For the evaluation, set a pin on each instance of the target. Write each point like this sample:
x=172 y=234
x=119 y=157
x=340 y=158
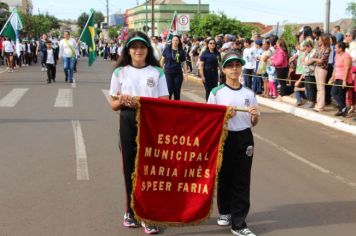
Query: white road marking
x=106 y=94
x=308 y=163
x=81 y=154
x=193 y=97
x=3 y=71
x=12 y=98
x=64 y=98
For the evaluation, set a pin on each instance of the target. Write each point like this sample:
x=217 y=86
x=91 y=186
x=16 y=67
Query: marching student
x=50 y=57
x=234 y=177
x=137 y=73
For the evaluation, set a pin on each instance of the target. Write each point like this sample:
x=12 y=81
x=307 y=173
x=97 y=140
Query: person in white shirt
x=249 y=55
x=50 y=58
x=137 y=73
x=233 y=193
x=8 y=51
x=67 y=52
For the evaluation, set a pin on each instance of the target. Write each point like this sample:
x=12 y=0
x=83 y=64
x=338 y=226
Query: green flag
x=12 y=26
x=88 y=37
x=173 y=29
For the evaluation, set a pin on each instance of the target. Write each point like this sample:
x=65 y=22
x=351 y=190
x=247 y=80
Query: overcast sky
x=267 y=12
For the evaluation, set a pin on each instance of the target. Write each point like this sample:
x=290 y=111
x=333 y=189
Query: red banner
x=179 y=154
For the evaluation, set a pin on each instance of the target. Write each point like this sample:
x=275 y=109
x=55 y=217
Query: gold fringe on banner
x=228 y=114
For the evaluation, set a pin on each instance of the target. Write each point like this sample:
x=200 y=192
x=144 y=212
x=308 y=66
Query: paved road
x=60 y=170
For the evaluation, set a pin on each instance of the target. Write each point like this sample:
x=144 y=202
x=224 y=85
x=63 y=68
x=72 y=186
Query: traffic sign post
x=183 y=22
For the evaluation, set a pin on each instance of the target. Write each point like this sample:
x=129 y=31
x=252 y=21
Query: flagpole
x=92 y=12
x=6 y=22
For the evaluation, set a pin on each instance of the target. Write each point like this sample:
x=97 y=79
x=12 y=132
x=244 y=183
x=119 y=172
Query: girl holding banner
x=137 y=73
x=234 y=177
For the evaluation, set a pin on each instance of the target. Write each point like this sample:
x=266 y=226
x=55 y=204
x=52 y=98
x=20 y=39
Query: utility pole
x=107 y=11
x=152 y=18
x=327 y=16
x=146 y=24
x=199 y=3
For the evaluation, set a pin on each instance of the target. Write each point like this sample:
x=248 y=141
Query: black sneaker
x=130 y=221
x=339 y=113
x=242 y=232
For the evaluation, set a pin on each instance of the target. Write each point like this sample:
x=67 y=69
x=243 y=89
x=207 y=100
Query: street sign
x=183 y=22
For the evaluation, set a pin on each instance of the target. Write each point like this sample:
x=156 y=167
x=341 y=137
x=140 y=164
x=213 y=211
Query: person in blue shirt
x=209 y=66
x=173 y=58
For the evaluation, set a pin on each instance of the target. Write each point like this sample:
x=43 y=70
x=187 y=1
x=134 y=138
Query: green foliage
x=219 y=24
x=289 y=36
x=113 y=32
x=83 y=18
x=351 y=9
x=35 y=25
x=4 y=13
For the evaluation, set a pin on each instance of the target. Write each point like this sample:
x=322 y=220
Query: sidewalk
x=326 y=117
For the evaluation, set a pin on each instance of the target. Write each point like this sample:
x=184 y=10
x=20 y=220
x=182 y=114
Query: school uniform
x=50 y=58
x=147 y=82
x=233 y=195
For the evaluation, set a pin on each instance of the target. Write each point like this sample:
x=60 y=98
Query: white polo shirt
x=242 y=98
x=146 y=82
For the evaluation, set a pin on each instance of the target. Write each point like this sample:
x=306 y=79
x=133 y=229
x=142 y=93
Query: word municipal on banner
x=179 y=154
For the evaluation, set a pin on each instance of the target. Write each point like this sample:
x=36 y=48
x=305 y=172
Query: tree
x=83 y=18
x=289 y=37
x=113 y=32
x=219 y=24
x=4 y=13
x=35 y=25
x=351 y=9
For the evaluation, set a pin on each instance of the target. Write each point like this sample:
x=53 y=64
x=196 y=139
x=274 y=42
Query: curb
x=308 y=115
x=302 y=113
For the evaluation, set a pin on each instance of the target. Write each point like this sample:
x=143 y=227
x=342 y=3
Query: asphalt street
x=61 y=173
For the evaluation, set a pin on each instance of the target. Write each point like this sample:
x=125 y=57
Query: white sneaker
x=242 y=232
x=42 y=69
x=224 y=220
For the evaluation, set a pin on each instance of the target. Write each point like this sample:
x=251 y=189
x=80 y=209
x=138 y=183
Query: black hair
x=125 y=58
x=216 y=51
x=180 y=45
x=341 y=45
x=307 y=31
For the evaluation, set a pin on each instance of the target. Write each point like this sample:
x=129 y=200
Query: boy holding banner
x=234 y=177
x=137 y=73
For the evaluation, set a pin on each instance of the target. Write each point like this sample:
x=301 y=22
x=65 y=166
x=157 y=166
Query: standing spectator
x=262 y=67
x=136 y=64
x=338 y=34
x=331 y=62
x=250 y=59
x=280 y=62
x=350 y=38
x=173 y=58
x=233 y=195
x=321 y=59
x=340 y=77
x=50 y=57
x=67 y=51
x=237 y=47
x=309 y=73
x=209 y=66
x=257 y=80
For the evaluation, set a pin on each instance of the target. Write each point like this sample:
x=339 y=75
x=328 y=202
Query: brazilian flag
x=88 y=37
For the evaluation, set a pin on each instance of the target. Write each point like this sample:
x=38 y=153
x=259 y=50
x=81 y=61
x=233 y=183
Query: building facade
x=138 y=17
x=24 y=6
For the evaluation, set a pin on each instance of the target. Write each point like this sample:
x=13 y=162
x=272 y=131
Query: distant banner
x=179 y=154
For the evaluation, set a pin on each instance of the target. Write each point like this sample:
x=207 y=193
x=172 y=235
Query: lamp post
x=152 y=18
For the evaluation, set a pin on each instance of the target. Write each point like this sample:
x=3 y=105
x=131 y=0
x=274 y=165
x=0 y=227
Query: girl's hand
x=253 y=111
